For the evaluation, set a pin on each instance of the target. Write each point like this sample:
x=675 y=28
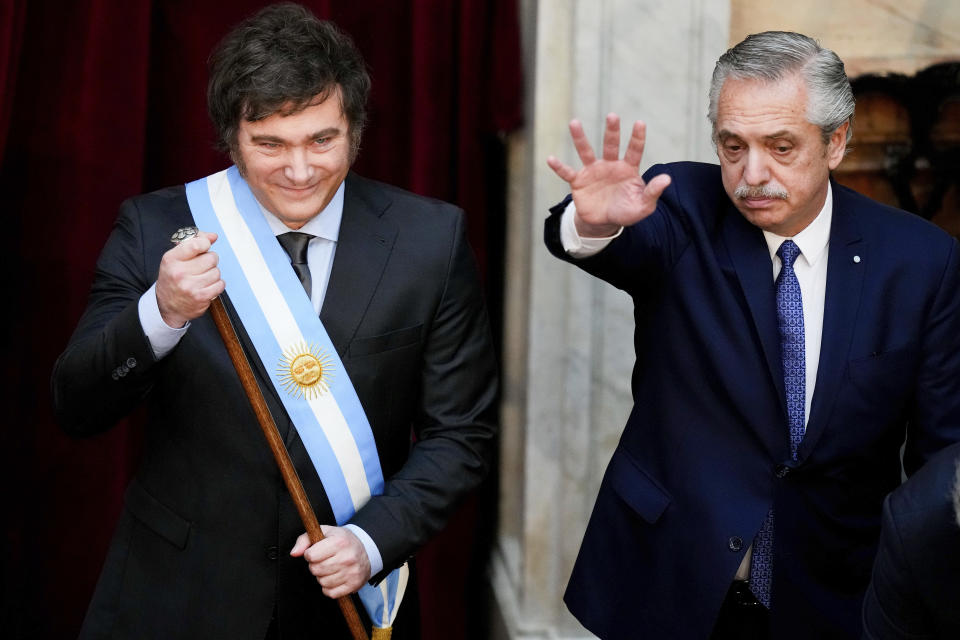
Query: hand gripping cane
x=230 y=340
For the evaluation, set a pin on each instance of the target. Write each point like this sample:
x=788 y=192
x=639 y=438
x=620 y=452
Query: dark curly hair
x=278 y=61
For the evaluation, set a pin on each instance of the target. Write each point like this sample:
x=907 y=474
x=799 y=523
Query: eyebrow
x=723 y=134
x=783 y=133
x=329 y=132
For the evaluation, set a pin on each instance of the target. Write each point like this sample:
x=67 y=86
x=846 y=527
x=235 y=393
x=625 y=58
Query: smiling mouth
x=298 y=190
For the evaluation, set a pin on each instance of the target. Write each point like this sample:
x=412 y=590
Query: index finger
x=320 y=551
x=580 y=142
x=192 y=247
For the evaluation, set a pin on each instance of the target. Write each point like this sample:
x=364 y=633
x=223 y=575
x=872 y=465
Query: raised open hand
x=609 y=192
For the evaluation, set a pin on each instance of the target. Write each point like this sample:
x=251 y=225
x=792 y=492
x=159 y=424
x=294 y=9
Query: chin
x=296 y=215
x=763 y=219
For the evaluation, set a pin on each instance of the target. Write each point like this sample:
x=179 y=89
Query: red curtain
x=104 y=99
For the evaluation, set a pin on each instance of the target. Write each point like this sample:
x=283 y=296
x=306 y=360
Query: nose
x=298 y=169
x=756 y=171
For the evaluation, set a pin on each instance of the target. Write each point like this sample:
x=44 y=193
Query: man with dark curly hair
x=360 y=309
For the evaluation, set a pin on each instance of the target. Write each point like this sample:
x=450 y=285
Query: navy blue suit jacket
x=915 y=591
x=705 y=452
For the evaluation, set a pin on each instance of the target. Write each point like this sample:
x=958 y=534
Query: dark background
x=104 y=99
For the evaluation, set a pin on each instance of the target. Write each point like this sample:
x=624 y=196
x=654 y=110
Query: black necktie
x=295 y=244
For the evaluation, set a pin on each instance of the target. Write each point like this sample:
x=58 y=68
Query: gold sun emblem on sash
x=305 y=371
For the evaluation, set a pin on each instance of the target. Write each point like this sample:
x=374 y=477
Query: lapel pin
x=856 y=259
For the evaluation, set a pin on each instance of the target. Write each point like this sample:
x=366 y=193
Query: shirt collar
x=813 y=240
x=325 y=224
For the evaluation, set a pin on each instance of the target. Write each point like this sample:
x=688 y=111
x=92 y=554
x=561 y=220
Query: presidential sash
x=299 y=358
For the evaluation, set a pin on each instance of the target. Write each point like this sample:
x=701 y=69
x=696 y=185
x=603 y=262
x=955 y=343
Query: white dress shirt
x=810 y=268
x=325 y=227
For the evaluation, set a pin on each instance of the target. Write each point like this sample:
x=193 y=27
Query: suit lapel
x=750 y=258
x=363 y=246
x=847 y=261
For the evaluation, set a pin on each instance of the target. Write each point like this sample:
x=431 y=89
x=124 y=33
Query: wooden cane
x=294 y=486
x=269 y=427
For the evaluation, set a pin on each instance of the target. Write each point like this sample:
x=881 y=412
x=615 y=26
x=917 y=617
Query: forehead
x=757 y=107
x=323 y=113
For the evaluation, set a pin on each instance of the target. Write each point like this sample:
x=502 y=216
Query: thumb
x=302 y=544
x=657 y=186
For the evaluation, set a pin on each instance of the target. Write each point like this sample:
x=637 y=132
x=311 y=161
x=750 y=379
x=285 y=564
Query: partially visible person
x=915 y=590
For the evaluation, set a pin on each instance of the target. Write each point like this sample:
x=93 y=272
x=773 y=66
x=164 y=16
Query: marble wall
x=568 y=341
x=871 y=36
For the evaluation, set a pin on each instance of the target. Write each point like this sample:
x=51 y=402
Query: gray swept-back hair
x=773 y=55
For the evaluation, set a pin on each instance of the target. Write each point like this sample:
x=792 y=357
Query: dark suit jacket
x=201 y=549
x=915 y=591
x=705 y=452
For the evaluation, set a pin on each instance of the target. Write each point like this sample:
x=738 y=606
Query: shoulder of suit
x=166 y=196
x=912 y=235
x=846 y=199
x=699 y=173
x=394 y=200
x=930 y=487
x=695 y=194
x=164 y=207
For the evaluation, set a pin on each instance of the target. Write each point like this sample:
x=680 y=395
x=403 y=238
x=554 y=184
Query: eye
x=322 y=141
x=782 y=147
x=732 y=148
x=270 y=146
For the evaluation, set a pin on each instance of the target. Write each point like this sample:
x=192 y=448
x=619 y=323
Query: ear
x=837 y=145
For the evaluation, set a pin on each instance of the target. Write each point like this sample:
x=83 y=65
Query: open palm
x=608 y=192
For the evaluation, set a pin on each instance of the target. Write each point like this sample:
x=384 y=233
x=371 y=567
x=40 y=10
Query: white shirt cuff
x=573 y=244
x=162 y=337
x=373 y=554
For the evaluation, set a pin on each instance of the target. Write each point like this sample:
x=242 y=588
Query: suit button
x=131 y=362
x=782 y=471
x=273 y=553
x=115 y=374
x=735 y=543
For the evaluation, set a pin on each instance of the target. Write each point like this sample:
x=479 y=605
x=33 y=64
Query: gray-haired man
x=790 y=333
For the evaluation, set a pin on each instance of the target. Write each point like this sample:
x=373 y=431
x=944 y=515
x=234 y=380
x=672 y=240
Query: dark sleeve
x=456 y=422
x=892 y=608
x=936 y=416
x=639 y=256
x=107 y=367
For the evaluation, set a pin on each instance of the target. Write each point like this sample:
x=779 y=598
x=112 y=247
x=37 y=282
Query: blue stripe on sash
x=311 y=327
x=381 y=606
x=271 y=352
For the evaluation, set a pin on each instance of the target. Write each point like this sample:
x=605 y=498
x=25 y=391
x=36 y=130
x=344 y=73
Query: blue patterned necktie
x=792 y=356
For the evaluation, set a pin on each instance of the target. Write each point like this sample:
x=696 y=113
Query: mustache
x=763 y=191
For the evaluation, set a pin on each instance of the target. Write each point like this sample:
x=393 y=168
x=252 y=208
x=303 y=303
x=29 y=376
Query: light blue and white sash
x=299 y=357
